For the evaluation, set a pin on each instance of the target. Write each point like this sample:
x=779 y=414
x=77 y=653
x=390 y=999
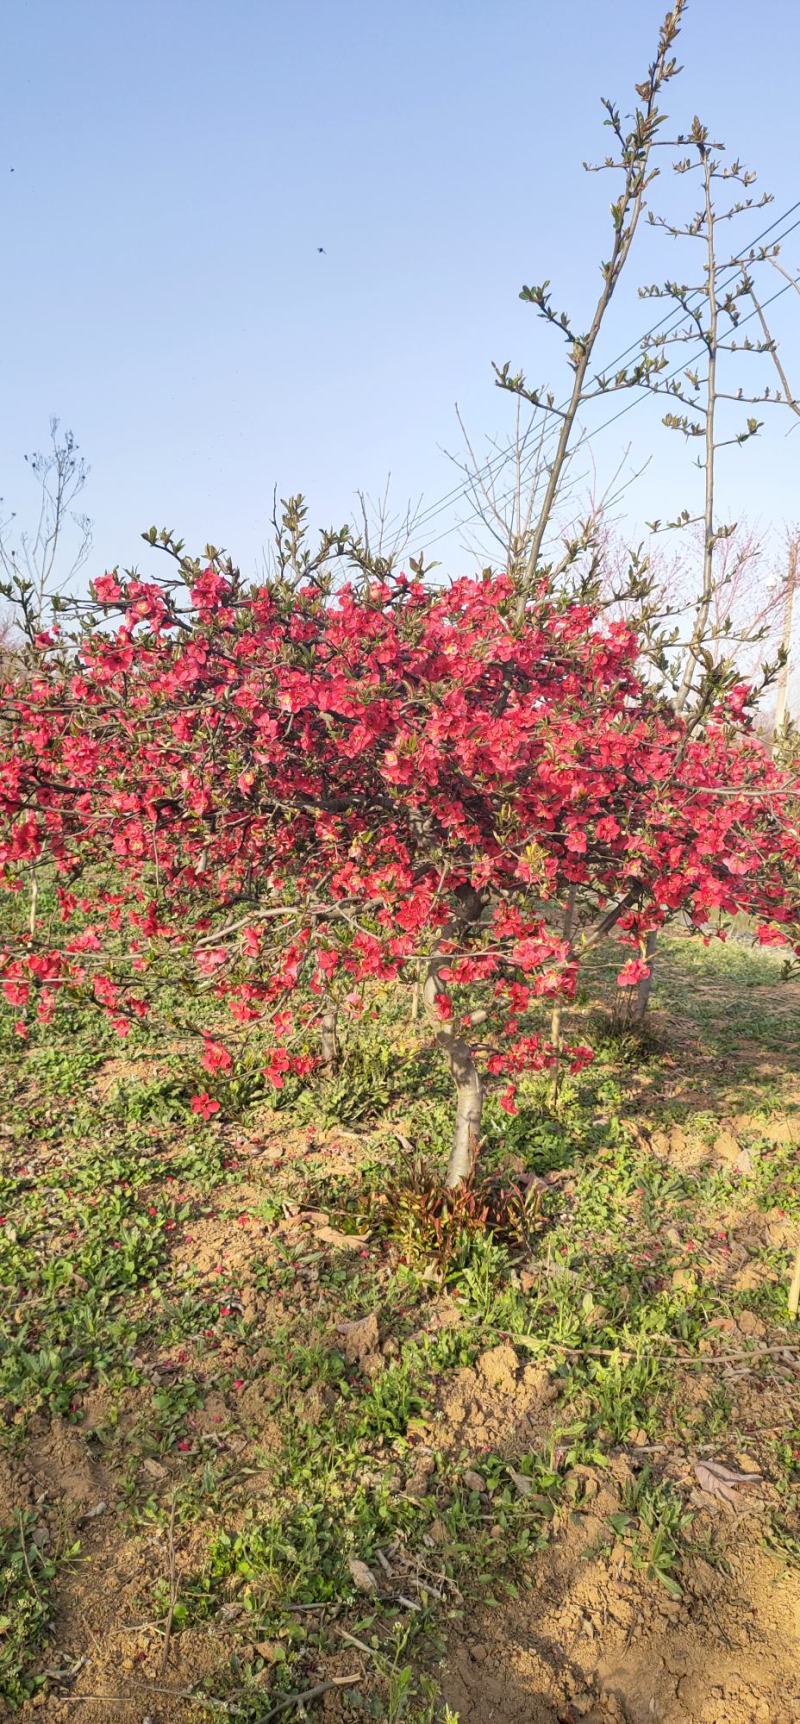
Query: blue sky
x=178 y=162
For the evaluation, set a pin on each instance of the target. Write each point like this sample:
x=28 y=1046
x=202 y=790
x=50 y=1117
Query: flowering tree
x=274 y=796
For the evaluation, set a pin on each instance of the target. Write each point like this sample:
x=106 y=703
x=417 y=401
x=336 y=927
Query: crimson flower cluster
x=280 y=800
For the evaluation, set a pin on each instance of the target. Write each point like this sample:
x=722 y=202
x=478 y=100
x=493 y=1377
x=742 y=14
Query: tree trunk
x=328 y=1037
x=460 y=1063
x=642 y=996
x=794 y=1290
x=567 y=930
x=469 y=1110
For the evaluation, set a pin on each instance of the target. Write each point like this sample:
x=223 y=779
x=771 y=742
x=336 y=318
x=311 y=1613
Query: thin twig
x=173 y=1587
x=300 y=1698
x=667 y=1354
x=25 y=1554
x=151 y=1688
x=353 y=1640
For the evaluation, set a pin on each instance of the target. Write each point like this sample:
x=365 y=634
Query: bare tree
x=708 y=394
x=502 y=514
x=748 y=601
x=710 y=402
x=41 y=562
x=633 y=159
x=383 y=536
x=504 y=491
x=6 y=641
x=787 y=620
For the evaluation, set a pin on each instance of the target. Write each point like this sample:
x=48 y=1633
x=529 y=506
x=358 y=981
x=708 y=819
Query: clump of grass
x=426 y=1220
x=654 y=1523
x=27 y=1575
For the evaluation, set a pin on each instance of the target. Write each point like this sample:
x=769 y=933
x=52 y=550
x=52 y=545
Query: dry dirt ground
x=589 y=1637
x=595 y=1646
x=589 y=1641
x=593 y=1632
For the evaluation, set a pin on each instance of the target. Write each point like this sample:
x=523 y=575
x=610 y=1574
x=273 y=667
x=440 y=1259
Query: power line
x=501 y=460
x=674 y=319
x=628 y=408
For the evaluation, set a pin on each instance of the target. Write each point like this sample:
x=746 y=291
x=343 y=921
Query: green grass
x=27 y=1576
x=109 y=1191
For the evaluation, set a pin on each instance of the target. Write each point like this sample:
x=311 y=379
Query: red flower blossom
x=216 y=1058
x=282 y=797
x=632 y=972
x=204 y=1105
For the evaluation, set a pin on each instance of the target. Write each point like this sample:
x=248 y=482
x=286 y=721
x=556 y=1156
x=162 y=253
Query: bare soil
x=592 y=1635
x=590 y=1641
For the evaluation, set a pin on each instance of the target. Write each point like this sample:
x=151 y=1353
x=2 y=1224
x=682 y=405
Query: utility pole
x=786 y=639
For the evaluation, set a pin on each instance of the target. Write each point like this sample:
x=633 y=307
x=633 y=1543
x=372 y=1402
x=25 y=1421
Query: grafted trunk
x=328 y=1036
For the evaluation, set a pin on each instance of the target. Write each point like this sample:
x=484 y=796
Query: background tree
x=701 y=631
x=40 y=562
x=709 y=400
x=634 y=162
